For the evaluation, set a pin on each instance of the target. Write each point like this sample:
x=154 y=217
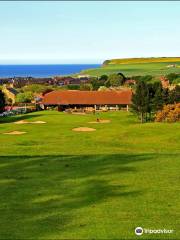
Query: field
x=135 y=69
x=60 y=184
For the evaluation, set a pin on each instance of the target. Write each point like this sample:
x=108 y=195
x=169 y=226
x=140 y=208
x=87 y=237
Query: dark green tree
x=73 y=87
x=86 y=87
x=158 y=100
x=165 y=96
x=103 y=78
x=114 y=80
x=140 y=101
x=174 y=95
x=176 y=81
x=136 y=78
x=123 y=78
x=95 y=83
x=151 y=93
x=171 y=77
x=47 y=90
x=2 y=101
x=146 y=78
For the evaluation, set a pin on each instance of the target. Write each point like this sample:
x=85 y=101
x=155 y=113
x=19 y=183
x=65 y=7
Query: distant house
x=86 y=76
x=86 y=99
x=69 y=80
x=10 y=92
x=171 y=66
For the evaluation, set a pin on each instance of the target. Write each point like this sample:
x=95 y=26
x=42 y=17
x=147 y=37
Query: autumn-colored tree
x=169 y=113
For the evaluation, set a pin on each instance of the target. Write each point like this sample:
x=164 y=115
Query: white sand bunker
x=84 y=129
x=15 y=133
x=78 y=113
x=101 y=121
x=26 y=122
x=21 y=122
x=38 y=122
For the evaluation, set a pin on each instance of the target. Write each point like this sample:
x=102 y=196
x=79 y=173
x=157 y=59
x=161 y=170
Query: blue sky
x=87 y=32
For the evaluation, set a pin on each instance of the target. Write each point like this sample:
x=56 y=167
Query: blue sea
x=43 y=70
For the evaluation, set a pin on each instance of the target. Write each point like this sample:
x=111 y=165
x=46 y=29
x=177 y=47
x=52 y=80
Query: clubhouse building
x=86 y=100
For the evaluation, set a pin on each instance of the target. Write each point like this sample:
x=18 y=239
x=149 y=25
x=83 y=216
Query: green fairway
x=59 y=184
x=135 y=69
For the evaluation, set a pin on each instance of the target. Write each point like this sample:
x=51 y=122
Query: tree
x=73 y=87
x=34 y=88
x=140 y=100
x=25 y=97
x=151 y=93
x=136 y=78
x=2 y=101
x=114 y=80
x=158 y=100
x=86 y=87
x=47 y=90
x=174 y=95
x=176 y=80
x=165 y=96
x=103 y=79
x=95 y=83
x=123 y=78
x=171 y=77
x=169 y=113
x=146 y=78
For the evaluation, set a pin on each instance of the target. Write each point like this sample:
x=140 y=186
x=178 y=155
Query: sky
x=87 y=32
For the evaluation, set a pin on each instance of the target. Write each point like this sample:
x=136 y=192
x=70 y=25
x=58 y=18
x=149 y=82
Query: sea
x=45 y=70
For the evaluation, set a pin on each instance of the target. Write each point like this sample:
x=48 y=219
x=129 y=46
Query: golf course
x=56 y=183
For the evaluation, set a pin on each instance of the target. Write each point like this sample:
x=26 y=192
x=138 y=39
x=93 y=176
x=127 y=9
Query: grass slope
x=60 y=184
x=131 y=68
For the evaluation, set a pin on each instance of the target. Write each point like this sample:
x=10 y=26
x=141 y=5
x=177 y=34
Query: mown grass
x=135 y=69
x=60 y=184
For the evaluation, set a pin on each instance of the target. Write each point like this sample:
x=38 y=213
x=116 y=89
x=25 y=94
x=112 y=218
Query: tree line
x=149 y=98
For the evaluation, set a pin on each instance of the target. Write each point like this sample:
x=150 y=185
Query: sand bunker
x=26 y=122
x=14 y=133
x=84 y=129
x=101 y=121
x=38 y=122
x=78 y=113
x=21 y=122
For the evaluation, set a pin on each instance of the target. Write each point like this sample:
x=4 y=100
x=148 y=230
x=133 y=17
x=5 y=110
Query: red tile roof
x=72 y=97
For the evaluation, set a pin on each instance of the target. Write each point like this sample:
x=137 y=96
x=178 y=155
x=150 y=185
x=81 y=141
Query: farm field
x=59 y=184
x=135 y=69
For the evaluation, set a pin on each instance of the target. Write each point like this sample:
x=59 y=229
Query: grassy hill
x=142 y=60
x=60 y=184
x=137 y=66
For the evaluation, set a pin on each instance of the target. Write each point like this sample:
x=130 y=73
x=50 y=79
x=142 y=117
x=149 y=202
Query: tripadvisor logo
x=139 y=231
